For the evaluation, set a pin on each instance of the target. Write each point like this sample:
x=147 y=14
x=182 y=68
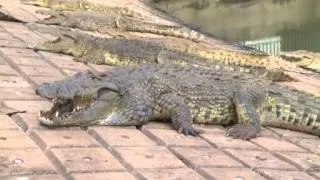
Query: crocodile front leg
x=246 y=103
x=179 y=113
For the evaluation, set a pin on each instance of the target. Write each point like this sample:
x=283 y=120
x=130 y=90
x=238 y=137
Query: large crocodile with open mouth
x=182 y=94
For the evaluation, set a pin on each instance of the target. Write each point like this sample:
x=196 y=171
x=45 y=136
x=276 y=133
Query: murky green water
x=268 y=25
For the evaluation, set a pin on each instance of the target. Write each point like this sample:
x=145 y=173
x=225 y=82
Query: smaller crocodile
x=103 y=22
x=186 y=95
x=126 y=52
x=305 y=59
x=82 y=5
x=130 y=52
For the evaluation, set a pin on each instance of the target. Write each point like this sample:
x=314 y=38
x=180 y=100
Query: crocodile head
x=85 y=98
x=65 y=43
x=84 y=110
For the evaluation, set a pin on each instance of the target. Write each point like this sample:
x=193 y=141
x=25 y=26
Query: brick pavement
x=30 y=151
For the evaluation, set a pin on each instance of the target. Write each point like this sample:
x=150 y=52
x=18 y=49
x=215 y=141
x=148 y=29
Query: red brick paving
x=260 y=159
x=26 y=161
x=273 y=144
x=169 y=137
x=86 y=160
x=10 y=139
x=220 y=140
x=103 y=176
x=34 y=177
x=311 y=144
x=197 y=157
x=232 y=173
x=305 y=161
x=275 y=174
x=7 y=123
x=165 y=174
x=30 y=151
x=63 y=138
x=117 y=136
x=149 y=157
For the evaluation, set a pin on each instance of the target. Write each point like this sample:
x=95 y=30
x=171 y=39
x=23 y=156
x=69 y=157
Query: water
x=269 y=25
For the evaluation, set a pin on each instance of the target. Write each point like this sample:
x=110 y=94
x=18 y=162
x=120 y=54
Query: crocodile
x=126 y=52
x=88 y=15
x=103 y=22
x=185 y=95
x=82 y=5
x=95 y=20
x=133 y=52
x=305 y=59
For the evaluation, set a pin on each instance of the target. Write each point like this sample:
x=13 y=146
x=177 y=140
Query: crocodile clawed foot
x=189 y=130
x=241 y=131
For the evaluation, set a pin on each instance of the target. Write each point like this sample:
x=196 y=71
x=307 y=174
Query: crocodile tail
x=289 y=108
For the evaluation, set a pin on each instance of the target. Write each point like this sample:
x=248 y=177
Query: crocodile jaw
x=83 y=112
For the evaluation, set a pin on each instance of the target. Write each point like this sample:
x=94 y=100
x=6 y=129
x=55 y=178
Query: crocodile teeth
x=56 y=114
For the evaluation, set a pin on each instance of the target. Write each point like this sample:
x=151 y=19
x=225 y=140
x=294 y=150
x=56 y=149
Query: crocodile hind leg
x=246 y=103
x=179 y=113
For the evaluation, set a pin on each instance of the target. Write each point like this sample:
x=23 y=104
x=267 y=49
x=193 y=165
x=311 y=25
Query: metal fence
x=268 y=45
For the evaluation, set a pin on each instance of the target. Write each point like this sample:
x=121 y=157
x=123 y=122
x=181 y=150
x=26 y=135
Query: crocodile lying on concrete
x=115 y=51
x=100 y=18
x=103 y=22
x=97 y=17
x=184 y=94
x=130 y=52
x=82 y=5
x=305 y=59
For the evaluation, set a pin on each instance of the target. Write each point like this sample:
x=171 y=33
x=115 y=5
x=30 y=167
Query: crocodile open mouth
x=82 y=110
x=61 y=109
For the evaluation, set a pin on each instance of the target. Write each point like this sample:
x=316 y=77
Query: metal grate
x=268 y=45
